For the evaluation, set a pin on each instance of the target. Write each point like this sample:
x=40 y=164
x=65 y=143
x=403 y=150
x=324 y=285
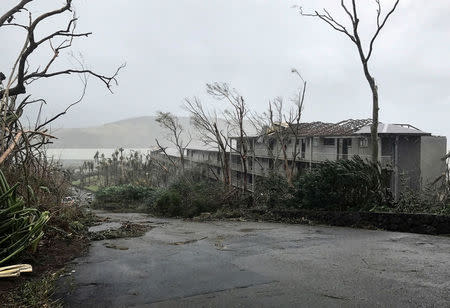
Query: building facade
x=414 y=156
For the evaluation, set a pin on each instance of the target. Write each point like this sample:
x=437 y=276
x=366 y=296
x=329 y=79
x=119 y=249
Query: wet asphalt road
x=250 y=264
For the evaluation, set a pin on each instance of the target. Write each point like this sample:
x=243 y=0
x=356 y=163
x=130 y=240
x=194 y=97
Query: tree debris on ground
x=127 y=229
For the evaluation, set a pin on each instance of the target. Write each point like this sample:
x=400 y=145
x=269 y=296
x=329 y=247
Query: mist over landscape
x=138 y=132
x=238 y=153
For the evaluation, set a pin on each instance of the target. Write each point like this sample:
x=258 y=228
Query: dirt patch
x=128 y=229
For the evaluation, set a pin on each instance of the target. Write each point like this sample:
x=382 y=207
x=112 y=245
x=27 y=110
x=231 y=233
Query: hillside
x=129 y=133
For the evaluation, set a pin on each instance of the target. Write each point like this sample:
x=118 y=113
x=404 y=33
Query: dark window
x=271 y=144
x=329 y=141
x=349 y=141
x=363 y=142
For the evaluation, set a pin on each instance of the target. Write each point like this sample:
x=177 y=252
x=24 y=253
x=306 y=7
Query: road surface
x=252 y=264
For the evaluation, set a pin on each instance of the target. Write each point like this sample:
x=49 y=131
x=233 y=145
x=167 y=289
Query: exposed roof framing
x=343 y=128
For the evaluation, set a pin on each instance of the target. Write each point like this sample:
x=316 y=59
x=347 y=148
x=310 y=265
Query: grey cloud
x=172 y=48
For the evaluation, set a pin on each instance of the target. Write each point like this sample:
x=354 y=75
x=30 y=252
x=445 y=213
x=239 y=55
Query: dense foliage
x=124 y=197
x=344 y=185
x=189 y=196
x=21 y=226
x=273 y=191
x=352 y=184
x=123 y=193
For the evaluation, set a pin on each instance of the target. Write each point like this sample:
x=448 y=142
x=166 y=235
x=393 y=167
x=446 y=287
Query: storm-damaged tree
x=206 y=124
x=235 y=115
x=364 y=53
x=171 y=123
x=282 y=128
x=17 y=143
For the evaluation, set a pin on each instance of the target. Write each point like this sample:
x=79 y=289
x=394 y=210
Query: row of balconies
x=255 y=167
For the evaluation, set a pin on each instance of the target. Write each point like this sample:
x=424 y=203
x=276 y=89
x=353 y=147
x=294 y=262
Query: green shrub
x=273 y=191
x=168 y=204
x=431 y=200
x=128 y=192
x=352 y=184
x=189 y=196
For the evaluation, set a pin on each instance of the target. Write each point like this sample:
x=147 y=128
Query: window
x=363 y=142
x=271 y=144
x=349 y=142
x=329 y=141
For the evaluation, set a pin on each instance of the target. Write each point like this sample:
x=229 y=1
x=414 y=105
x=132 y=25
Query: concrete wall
x=432 y=149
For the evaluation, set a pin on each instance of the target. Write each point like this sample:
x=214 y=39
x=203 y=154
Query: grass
x=35 y=293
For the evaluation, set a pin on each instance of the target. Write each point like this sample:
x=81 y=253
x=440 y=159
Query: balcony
x=386 y=161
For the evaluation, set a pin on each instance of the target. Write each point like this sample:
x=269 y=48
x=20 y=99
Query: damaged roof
x=343 y=128
x=351 y=127
x=397 y=129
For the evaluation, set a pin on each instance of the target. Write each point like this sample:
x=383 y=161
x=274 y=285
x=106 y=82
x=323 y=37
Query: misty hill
x=129 y=133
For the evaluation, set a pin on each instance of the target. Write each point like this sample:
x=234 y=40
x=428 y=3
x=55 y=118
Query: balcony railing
x=317 y=157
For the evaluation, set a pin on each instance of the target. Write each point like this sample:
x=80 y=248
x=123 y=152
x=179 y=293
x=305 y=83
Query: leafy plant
x=188 y=196
x=272 y=191
x=353 y=184
x=21 y=226
x=128 y=192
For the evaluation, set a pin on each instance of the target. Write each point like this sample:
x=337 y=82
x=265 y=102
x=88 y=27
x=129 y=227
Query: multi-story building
x=414 y=156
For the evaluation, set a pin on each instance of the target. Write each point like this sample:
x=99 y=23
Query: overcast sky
x=172 y=48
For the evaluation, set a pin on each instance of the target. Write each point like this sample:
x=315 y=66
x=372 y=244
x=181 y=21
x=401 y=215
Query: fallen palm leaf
x=15 y=270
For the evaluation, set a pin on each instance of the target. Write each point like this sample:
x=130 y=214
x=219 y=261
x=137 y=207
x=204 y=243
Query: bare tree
x=279 y=128
x=364 y=54
x=172 y=124
x=210 y=134
x=293 y=122
x=235 y=116
x=14 y=139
